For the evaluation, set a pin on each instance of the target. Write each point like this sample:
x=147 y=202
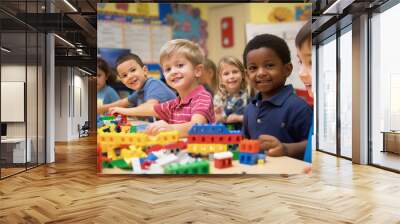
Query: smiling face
x=266 y=71
x=304 y=54
x=231 y=78
x=132 y=74
x=180 y=73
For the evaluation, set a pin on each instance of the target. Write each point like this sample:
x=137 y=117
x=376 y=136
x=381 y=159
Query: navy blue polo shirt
x=284 y=116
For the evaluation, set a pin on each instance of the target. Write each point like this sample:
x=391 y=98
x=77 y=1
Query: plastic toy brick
x=133 y=129
x=107 y=118
x=207 y=148
x=235 y=154
x=250 y=146
x=167 y=137
x=260 y=162
x=152 y=157
x=196 y=167
x=261 y=156
x=223 y=160
x=171 y=158
x=248 y=158
x=216 y=139
x=137 y=168
x=204 y=129
x=120 y=164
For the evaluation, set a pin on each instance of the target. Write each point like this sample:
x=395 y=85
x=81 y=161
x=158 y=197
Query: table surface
x=273 y=165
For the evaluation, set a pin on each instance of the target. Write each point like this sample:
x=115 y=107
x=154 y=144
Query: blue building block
x=141 y=127
x=234 y=132
x=261 y=156
x=142 y=160
x=152 y=157
x=248 y=158
x=208 y=129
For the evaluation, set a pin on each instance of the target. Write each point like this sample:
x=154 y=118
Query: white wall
x=71 y=102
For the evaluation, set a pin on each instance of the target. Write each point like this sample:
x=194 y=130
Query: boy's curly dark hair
x=268 y=41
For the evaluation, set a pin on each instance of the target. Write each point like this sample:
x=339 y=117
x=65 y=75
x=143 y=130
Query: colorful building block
x=215 y=139
x=196 y=167
x=248 y=158
x=207 y=148
x=223 y=160
x=250 y=146
x=204 y=129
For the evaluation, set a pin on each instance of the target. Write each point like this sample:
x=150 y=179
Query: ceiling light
x=5 y=49
x=70 y=5
x=337 y=7
x=86 y=72
x=65 y=41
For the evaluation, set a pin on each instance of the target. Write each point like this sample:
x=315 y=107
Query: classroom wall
x=240 y=13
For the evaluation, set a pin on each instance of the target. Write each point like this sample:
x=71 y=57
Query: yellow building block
x=260 y=162
x=207 y=148
x=166 y=137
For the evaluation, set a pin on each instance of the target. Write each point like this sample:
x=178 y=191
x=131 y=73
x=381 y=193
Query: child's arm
x=219 y=117
x=120 y=103
x=276 y=148
x=234 y=118
x=183 y=128
x=143 y=110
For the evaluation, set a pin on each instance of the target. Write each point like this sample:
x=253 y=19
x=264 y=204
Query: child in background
x=276 y=116
x=105 y=93
x=182 y=64
x=233 y=94
x=209 y=76
x=148 y=91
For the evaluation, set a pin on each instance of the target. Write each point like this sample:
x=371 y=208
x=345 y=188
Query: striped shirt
x=177 y=111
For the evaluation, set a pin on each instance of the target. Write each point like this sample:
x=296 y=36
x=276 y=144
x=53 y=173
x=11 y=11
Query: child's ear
x=145 y=70
x=198 y=70
x=288 y=69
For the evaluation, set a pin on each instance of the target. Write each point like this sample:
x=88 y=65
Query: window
x=326 y=97
x=385 y=89
x=346 y=93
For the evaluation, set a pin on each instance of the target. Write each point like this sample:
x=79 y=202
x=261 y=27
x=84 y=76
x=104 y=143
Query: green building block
x=120 y=163
x=133 y=129
x=196 y=167
x=230 y=127
x=235 y=154
x=106 y=164
x=107 y=118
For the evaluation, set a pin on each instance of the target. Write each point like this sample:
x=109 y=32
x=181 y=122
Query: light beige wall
x=240 y=14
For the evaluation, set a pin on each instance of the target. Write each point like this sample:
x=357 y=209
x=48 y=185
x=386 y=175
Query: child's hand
x=234 y=118
x=118 y=110
x=157 y=127
x=272 y=145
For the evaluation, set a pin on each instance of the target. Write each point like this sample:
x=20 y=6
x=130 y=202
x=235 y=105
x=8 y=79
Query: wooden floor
x=69 y=191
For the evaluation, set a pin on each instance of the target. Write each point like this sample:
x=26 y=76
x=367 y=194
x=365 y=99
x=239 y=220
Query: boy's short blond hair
x=187 y=48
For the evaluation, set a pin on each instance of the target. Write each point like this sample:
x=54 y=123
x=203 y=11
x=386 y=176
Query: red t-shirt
x=177 y=111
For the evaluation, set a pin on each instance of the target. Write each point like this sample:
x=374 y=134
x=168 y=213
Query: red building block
x=250 y=146
x=223 y=163
x=215 y=139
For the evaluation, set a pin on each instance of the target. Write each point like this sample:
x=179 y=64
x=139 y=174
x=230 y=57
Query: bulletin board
x=145 y=40
x=12 y=101
x=288 y=32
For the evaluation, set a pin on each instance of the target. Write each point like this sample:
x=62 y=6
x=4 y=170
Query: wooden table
x=273 y=165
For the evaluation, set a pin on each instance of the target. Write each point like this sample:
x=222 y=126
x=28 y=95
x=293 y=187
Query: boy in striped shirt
x=182 y=64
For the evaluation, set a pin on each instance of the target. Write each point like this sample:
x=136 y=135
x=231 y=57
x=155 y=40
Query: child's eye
x=269 y=65
x=132 y=70
x=251 y=68
x=166 y=70
x=180 y=65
